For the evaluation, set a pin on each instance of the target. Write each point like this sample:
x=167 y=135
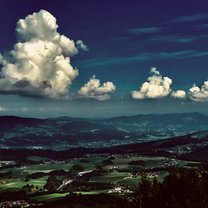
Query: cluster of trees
x=73 y=200
x=31 y=188
x=54 y=182
x=182 y=188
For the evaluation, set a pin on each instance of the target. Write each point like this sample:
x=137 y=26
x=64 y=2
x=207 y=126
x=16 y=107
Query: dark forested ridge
x=64 y=132
x=189 y=147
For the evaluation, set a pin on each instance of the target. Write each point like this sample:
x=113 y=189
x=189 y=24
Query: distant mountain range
x=191 y=147
x=65 y=132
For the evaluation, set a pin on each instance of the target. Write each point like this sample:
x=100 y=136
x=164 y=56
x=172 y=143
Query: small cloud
x=94 y=90
x=81 y=45
x=154 y=70
x=2 y=109
x=175 y=38
x=190 y=18
x=156 y=86
x=145 y=30
x=180 y=54
x=178 y=94
x=199 y=93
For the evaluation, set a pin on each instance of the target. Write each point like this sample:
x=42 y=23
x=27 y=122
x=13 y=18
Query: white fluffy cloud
x=178 y=94
x=81 y=45
x=199 y=93
x=156 y=86
x=39 y=64
x=154 y=71
x=93 y=89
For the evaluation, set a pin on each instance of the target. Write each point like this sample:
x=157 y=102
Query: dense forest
x=182 y=188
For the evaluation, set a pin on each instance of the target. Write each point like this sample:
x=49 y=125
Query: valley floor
x=42 y=180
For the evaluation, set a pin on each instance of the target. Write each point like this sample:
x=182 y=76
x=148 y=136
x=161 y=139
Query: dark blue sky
x=125 y=39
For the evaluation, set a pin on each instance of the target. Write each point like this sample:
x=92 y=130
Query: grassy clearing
x=45 y=168
x=15 y=184
x=149 y=162
x=49 y=197
x=38 y=159
x=133 y=182
x=110 y=177
x=91 y=192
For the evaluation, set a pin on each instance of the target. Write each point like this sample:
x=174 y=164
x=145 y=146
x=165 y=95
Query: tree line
x=181 y=188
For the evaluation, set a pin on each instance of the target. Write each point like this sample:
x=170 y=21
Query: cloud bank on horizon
x=157 y=86
x=199 y=93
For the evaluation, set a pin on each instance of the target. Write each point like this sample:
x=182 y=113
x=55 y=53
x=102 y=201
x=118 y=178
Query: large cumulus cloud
x=39 y=63
x=156 y=86
x=93 y=89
